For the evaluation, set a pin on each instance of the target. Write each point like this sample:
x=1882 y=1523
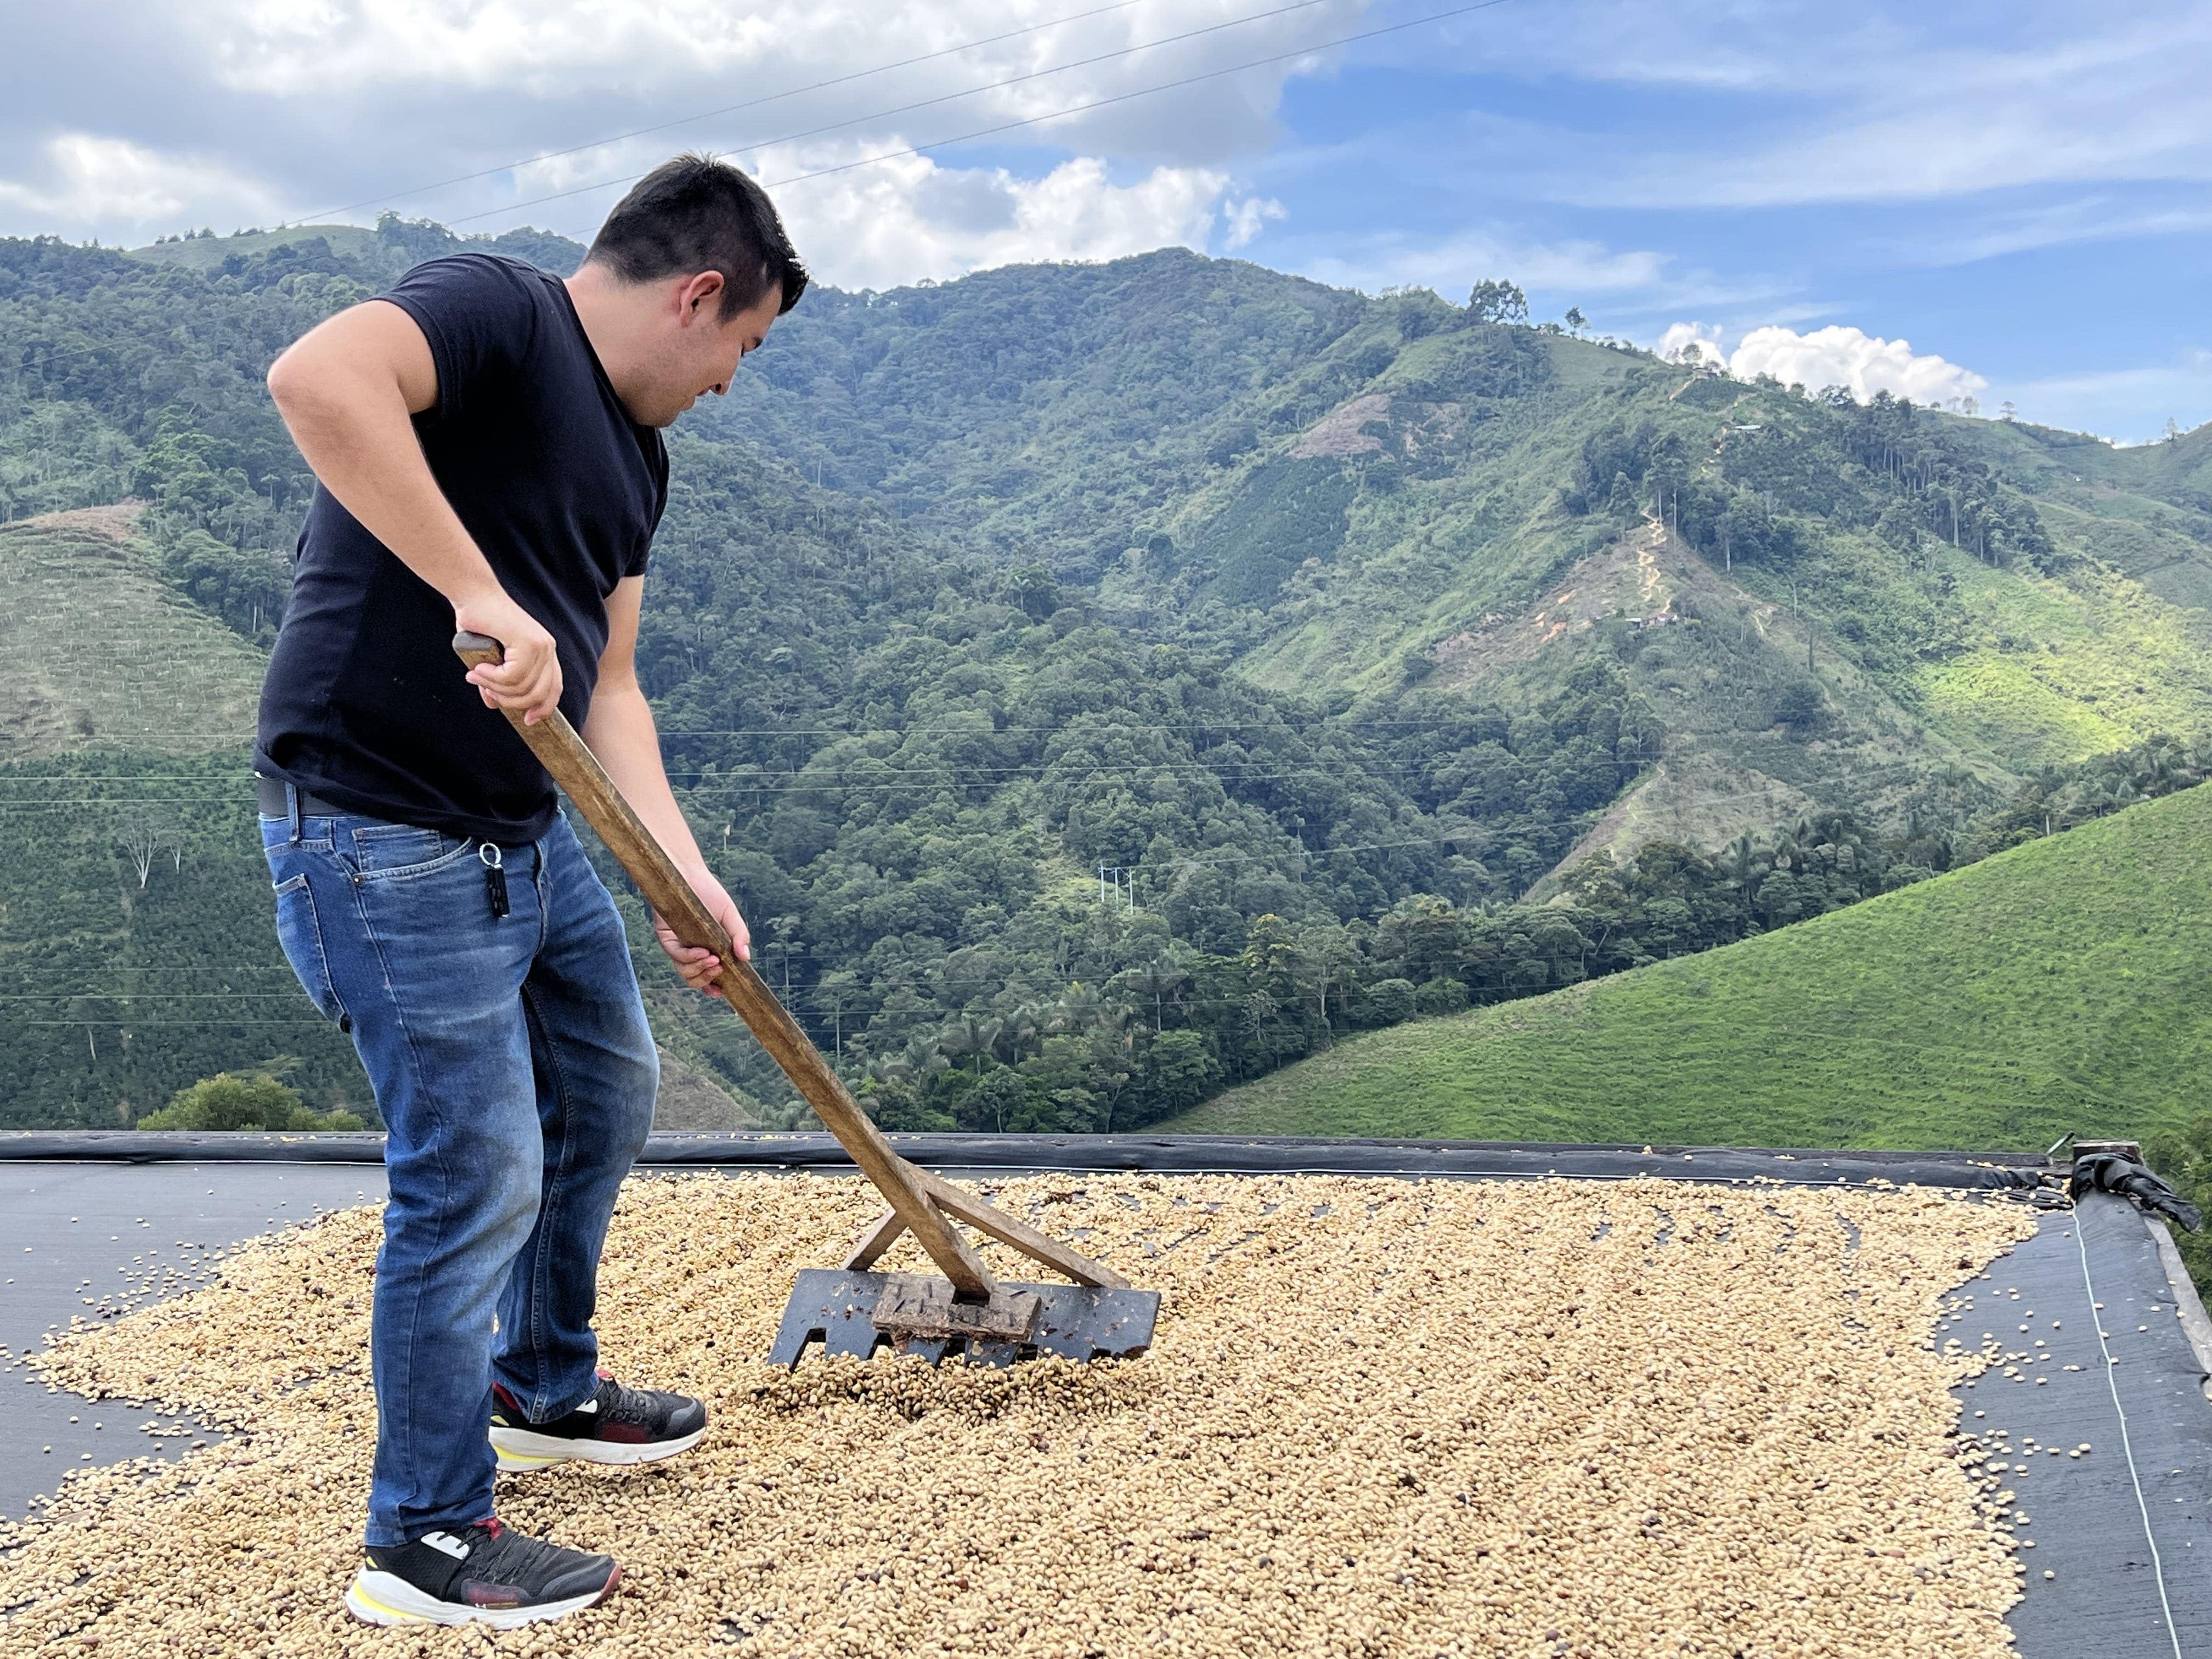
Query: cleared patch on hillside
x=1343 y=430
x=1715 y=662
x=1631 y=580
x=2058 y=985
x=1700 y=800
x=101 y=652
x=1376 y=422
x=689 y=1099
x=1380 y=1418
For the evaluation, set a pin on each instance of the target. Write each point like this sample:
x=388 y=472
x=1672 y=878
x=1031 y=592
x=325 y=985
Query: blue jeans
x=515 y=1074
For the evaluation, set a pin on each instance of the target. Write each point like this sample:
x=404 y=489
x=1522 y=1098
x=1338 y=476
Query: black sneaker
x=482 y=1575
x=615 y=1425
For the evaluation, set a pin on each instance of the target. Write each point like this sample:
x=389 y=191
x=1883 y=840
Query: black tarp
x=2122 y=1563
x=1164 y=1153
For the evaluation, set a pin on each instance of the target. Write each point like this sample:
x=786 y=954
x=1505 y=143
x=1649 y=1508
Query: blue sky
x=2006 y=202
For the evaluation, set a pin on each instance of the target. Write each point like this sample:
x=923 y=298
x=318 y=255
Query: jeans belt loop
x=298 y=813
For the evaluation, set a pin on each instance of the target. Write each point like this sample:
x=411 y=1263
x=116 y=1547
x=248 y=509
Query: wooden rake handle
x=914 y=1196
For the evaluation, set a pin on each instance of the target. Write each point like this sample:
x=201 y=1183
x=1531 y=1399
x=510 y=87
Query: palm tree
x=967 y=1034
x=917 y=1062
x=1155 y=980
x=982 y=1035
x=1021 y=1029
x=1739 y=860
x=921 y=1059
x=1077 y=1010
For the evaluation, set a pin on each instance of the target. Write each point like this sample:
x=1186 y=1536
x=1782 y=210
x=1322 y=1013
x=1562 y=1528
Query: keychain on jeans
x=494 y=877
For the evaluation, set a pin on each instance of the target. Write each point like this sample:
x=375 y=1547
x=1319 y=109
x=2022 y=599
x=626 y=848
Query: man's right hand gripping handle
x=528 y=677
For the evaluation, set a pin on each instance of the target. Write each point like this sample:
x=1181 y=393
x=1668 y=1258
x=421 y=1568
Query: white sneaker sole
x=386 y=1599
x=520 y=1450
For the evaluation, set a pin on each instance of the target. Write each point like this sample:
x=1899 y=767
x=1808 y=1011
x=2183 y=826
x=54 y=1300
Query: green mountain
x=1355 y=493
x=2058 y=986
x=1097 y=681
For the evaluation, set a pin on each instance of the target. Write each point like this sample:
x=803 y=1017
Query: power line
x=1472 y=834
x=730 y=109
x=1054 y=771
x=952 y=97
x=949 y=778
x=1477 y=833
x=138 y=1025
x=51 y=357
x=1040 y=772
x=140 y=996
x=1026 y=121
x=1328 y=723
x=1075 y=733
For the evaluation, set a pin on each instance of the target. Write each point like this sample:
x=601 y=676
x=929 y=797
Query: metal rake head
x=855 y=1313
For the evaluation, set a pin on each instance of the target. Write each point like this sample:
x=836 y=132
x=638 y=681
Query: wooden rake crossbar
x=920 y=1203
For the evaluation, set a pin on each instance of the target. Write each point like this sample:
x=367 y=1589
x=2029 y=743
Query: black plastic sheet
x=1191 y=1154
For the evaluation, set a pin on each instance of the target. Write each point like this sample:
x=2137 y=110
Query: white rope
x=2127 y=1448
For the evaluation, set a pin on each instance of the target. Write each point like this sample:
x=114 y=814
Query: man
x=487 y=439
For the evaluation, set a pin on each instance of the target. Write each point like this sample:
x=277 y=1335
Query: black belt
x=275 y=803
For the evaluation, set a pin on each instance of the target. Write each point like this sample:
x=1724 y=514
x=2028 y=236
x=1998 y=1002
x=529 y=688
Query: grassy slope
x=99 y=650
x=205 y=253
x=2060 y=986
x=122 y=698
x=2058 y=671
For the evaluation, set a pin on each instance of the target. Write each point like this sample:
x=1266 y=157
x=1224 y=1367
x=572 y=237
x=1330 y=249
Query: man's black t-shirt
x=365 y=702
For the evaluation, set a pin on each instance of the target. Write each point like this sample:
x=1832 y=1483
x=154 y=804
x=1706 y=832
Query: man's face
x=702 y=351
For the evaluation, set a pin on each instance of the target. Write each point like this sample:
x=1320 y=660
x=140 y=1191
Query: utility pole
x=1118 y=870
x=1797 y=603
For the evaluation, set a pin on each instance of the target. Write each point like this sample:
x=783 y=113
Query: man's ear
x=700 y=297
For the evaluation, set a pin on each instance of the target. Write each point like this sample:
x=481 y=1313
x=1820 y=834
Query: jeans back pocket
x=301 y=933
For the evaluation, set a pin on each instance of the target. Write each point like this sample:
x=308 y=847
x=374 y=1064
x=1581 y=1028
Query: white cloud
x=1837 y=355
x=286 y=50
x=871 y=75
x=1246 y=217
x=93 y=180
x=1704 y=336
x=881 y=226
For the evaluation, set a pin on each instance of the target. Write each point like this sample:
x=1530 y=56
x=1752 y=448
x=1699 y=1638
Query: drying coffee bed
x=1484 y=1417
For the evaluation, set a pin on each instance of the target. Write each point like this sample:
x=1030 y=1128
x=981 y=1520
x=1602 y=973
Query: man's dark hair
x=694 y=214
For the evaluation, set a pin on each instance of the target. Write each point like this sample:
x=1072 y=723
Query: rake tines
x=852 y=1312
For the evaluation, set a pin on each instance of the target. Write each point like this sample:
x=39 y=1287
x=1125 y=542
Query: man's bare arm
x=620 y=732
x=347 y=391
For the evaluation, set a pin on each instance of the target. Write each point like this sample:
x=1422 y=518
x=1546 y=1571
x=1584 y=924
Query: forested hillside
x=2058 y=985
x=1095 y=681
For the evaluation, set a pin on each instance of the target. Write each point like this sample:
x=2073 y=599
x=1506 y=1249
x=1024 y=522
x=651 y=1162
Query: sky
x=2006 y=203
